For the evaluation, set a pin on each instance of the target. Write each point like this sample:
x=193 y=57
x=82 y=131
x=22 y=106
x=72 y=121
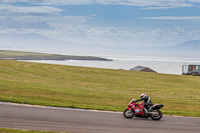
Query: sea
x=161 y=63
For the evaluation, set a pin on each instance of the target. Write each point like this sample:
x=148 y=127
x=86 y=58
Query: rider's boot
x=146 y=111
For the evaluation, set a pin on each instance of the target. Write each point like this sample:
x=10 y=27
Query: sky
x=131 y=23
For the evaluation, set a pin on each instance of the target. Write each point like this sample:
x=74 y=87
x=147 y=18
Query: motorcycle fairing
x=156 y=107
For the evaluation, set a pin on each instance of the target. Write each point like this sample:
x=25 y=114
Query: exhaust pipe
x=153 y=113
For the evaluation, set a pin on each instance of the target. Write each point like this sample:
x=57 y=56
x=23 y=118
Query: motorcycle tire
x=128 y=113
x=157 y=117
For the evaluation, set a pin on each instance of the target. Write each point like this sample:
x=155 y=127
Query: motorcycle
x=138 y=110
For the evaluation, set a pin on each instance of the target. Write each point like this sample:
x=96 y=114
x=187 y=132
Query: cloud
x=158 y=3
x=109 y=32
x=13 y=23
x=145 y=2
x=50 y=17
x=141 y=3
x=36 y=16
x=157 y=33
x=173 y=18
x=29 y=9
x=179 y=30
x=20 y=1
x=159 y=8
x=119 y=35
x=36 y=22
x=13 y=1
x=68 y=2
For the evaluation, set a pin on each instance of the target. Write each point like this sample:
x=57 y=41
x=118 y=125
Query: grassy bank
x=6 y=130
x=94 y=88
x=18 y=55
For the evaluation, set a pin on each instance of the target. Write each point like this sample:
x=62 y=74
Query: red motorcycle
x=139 y=110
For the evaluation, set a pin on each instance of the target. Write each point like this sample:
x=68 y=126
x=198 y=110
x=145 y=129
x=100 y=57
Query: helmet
x=142 y=95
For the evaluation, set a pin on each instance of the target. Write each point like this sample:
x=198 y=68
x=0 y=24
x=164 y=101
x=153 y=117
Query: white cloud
x=29 y=9
x=46 y=17
x=179 y=30
x=161 y=3
x=12 y=1
x=68 y=2
x=118 y=32
x=145 y=2
x=30 y=17
x=83 y=34
x=158 y=8
x=157 y=33
x=174 y=18
x=118 y=35
x=36 y=22
x=20 y=24
x=157 y=3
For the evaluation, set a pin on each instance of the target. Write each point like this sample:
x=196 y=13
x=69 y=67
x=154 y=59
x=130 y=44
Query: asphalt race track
x=82 y=121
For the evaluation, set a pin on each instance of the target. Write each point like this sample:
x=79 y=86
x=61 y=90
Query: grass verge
x=94 y=88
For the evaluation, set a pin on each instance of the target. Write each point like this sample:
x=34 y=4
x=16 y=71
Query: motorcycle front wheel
x=156 y=115
x=128 y=113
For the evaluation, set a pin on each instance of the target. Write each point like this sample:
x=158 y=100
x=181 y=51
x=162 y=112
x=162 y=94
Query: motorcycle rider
x=147 y=102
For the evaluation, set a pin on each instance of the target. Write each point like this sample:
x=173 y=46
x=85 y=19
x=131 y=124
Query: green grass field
x=94 y=88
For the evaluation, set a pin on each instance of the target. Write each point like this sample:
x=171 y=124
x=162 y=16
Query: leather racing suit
x=147 y=101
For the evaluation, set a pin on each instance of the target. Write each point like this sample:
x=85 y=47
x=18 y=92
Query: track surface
x=81 y=121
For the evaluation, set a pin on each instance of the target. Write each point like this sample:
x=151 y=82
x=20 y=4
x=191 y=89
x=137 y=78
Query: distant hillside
x=39 y=43
x=16 y=55
x=28 y=42
x=189 y=44
x=189 y=47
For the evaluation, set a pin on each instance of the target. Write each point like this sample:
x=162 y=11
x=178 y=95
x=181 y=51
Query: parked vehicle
x=139 y=110
x=193 y=70
x=195 y=73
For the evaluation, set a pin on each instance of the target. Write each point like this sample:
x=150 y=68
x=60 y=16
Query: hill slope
x=17 y=55
x=189 y=47
x=36 y=42
x=104 y=89
x=186 y=48
x=39 y=43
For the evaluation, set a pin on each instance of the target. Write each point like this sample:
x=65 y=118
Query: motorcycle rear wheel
x=128 y=113
x=156 y=116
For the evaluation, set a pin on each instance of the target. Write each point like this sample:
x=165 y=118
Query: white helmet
x=142 y=95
